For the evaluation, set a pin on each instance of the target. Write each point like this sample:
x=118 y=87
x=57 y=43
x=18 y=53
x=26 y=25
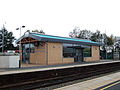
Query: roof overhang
x=49 y=38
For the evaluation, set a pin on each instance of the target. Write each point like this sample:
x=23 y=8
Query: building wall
x=68 y=60
x=55 y=53
x=39 y=56
x=52 y=53
x=95 y=54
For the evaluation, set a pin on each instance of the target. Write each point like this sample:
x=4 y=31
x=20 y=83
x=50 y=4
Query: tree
x=82 y=34
x=117 y=44
x=97 y=36
x=75 y=32
x=37 y=31
x=110 y=40
x=107 y=41
x=6 y=39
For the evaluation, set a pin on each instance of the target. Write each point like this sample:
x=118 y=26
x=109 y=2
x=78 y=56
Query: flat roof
x=50 y=38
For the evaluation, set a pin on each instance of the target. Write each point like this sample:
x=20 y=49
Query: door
x=78 y=55
x=26 y=53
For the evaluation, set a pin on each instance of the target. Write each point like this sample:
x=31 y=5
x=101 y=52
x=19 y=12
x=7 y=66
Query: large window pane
x=28 y=48
x=68 y=52
x=87 y=51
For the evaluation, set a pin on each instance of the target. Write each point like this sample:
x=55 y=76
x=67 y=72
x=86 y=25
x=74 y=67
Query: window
x=28 y=48
x=32 y=48
x=68 y=52
x=87 y=51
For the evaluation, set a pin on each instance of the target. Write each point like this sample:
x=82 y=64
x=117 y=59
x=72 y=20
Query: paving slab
x=93 y=83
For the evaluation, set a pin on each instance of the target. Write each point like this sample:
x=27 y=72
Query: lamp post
x=3 y=41
x=20 y=48
x=3 y=38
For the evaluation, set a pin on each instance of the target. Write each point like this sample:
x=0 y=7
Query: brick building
x=48 y=49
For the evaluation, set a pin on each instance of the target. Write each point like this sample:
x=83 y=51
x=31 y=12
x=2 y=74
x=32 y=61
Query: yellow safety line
x=110 y=85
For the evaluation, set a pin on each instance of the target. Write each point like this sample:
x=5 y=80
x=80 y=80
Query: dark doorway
x=26 y=53
x=78 y=55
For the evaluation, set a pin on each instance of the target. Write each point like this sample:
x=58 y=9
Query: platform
x=93 y=84
x=42 y=76
x=51 y=67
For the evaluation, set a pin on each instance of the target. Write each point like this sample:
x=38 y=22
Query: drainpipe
x=47 y=53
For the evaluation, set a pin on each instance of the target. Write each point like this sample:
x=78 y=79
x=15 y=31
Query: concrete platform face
x=93 y=83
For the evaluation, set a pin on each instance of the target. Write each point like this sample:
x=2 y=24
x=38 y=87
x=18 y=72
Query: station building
x=47 y=49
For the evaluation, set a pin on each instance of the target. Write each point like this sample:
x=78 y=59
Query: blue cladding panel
x=63 y=38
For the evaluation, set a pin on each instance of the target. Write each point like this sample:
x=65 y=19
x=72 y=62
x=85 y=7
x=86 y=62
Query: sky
x=59 y=17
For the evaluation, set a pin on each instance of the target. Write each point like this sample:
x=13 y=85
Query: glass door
x=78 y=55
x=26 y=53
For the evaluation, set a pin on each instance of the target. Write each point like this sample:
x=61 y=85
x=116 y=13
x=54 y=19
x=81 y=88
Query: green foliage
x=110 y=40
x=6 y=39
x=96 y=36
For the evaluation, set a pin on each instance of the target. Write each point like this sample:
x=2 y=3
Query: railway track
x=41 y=79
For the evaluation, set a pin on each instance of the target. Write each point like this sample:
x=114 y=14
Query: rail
x=41 y=79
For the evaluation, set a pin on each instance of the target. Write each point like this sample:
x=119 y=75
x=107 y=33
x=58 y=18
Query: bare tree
x=38 y=31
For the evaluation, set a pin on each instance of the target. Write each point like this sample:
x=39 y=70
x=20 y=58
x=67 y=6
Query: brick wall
x=95 y=54
x=55 y=51
x=39 y=55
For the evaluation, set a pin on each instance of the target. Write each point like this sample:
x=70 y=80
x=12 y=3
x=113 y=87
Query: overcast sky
x=59 y=17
